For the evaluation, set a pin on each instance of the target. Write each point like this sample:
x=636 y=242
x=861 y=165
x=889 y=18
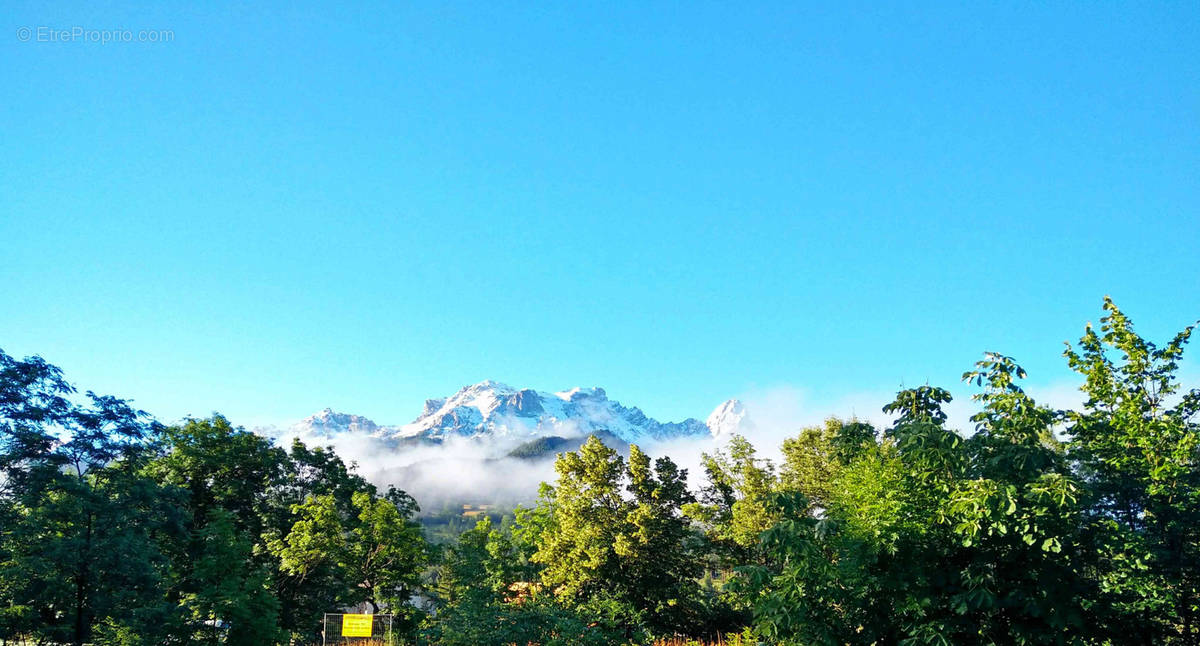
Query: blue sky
x=362 y=206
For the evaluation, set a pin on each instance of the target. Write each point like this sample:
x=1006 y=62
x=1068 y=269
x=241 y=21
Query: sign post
x=350 y=628
x=357 y=625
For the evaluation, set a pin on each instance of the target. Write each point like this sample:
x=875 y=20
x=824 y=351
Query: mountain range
x=493 y=410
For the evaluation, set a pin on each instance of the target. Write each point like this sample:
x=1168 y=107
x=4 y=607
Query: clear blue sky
x=361 y=206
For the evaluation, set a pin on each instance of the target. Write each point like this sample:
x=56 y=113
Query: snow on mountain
x=729 y=418
x=328 y=424
x=496 y=409
x=493 y=409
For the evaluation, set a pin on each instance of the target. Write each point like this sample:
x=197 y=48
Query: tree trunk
x=81 y=584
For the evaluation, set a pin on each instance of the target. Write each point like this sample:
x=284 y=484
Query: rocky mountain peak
x=494 y=409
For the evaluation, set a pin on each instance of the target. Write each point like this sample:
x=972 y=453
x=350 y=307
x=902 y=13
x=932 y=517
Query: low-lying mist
x=480 y=470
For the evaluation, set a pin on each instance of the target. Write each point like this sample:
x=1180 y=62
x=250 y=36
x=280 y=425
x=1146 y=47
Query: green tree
x=481 y=563
x=740 y=500
x=813 y=458
x=77 y=545
x=228 y=599
x=220 y=466
x=225 y=475
x=1041 y=527
x=484 y=602
x=385 y=552
x=626 y=556
x=1136 y=447
x=311 y=473
x=1017 y=514
x=374 y=555
x=929 y=537
x=842 y=571
x=733 y=508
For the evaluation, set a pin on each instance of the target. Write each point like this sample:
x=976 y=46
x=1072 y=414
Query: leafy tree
x=656 y=547
x=929 y=537
x=77 y=544
x=374 y=556
x=224 y=475
x=485 y=602
x=1039 y=527
x=829 y=574
x=537 y=620
x=310 y=473
x=220 y=466
x=1136 y=447
x=228 y=599
x=733 y=508
x=480 y=563
x=589 y=508
x=628 y=556
x=385 y=552
x=1018 y=510
x=813 y=459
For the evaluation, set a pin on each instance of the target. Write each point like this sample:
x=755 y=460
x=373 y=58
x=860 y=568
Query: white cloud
x=464 y=470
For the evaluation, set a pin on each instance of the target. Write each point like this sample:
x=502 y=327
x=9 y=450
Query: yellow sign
x=357 y=625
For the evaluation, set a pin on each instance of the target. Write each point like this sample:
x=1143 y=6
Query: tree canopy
x=1035 y=525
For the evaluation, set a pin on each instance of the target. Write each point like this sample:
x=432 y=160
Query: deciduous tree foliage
x=375 y=551
x=78 y=539
x=115 y=530
x=616 y=536
x=1039 y=527
x=1134 y=446
x=733 y=508
x=1034 y=526
x=486 y=596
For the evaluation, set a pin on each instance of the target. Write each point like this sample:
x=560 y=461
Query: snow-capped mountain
x=328 y=424
x=493 y=409
x=729 y=418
